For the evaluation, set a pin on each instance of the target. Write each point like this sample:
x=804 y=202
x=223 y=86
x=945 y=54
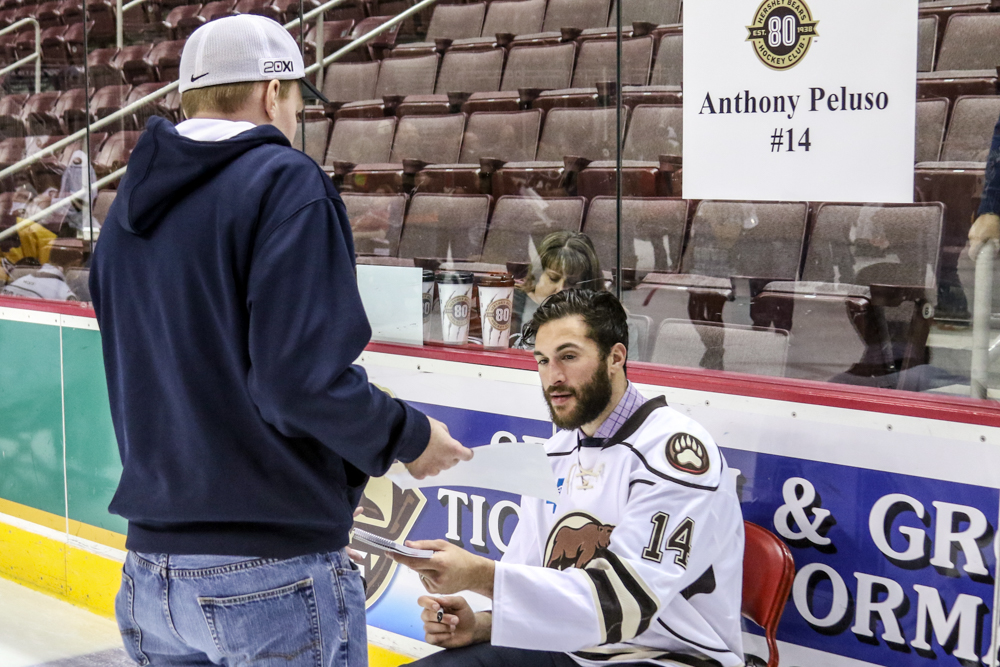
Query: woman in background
x=565 y=260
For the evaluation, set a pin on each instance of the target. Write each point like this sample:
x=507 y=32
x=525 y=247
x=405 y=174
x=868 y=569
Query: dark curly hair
x=606 y=320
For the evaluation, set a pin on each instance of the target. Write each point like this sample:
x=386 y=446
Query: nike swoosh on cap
x=195 y=78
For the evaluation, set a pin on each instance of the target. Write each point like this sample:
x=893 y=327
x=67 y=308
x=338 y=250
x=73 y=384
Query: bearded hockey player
x=641 y=559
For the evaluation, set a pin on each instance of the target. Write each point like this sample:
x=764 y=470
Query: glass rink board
x=891 y=519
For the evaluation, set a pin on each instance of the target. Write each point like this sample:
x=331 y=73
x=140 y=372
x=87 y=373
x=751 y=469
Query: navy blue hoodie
x=230 y=317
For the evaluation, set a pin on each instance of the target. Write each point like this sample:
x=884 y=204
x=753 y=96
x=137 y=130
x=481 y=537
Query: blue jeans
x=194 y=611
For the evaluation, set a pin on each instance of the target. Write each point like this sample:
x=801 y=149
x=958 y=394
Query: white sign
x=800 y=99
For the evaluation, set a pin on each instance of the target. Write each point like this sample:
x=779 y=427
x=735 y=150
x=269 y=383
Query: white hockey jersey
x=641 y=560
x=48 y=282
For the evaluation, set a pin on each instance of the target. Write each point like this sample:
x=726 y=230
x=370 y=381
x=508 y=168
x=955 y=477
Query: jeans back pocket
x=125 y=615
x=270 y=628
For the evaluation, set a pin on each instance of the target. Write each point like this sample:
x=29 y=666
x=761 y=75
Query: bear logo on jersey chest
x=575 y=540
x=686 y=453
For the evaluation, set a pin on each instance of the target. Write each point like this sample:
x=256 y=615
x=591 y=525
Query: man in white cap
x=230 y=317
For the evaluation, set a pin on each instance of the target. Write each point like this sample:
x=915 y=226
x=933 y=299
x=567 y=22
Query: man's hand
x=450 y=569
x=458 y=624
x=985 y=228
x=442 y=452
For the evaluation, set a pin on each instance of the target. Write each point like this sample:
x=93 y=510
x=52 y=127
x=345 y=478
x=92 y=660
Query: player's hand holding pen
x=450 y=569
x=451 y=623
x=442 y=452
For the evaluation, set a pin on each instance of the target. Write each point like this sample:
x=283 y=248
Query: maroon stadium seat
x=39 y=114
x=448 y=22
x=170 y=27
x=397 y=78
x=377 y=221
x=967 y=61
x=597 y=64
x=570 y=139
x=358 y=141
x=734 y=250
x=11 y=108
x=657 y=225
x=258 y=7
x=520 y=223
x=350 y=82
x=491 y=139
x=665 y=80
x=115 y=152
x=131 y=62
x=931 y=117
x=71 y=110
x=161 y=106
x=507 y=18
x=317 y=135
x=529 y=70
x=573 y=14
x=445 y=226
x=650 y=157
x=462 y=73
x=419 y=140
x=848 y=323
x=927 y=39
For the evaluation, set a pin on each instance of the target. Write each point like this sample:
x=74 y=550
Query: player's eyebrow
x=566 y=346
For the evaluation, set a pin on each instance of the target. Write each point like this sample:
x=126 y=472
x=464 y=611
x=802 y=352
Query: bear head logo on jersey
x=575 y=540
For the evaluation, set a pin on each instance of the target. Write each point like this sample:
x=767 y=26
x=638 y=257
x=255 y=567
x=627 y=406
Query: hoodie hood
x=164 y=167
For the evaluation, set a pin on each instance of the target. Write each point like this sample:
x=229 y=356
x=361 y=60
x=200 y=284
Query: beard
x=591 y=400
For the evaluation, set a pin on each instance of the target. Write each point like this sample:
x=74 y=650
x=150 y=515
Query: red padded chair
x=768 y=571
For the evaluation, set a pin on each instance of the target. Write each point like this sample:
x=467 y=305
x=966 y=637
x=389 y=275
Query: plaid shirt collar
x=631 y=401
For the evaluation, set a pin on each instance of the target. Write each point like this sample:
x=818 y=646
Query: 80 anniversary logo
x=781 y=32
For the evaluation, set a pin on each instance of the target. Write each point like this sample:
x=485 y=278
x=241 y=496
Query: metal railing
x=162 y=92
x=35 y=57
x=80 y=195
x=120 y=20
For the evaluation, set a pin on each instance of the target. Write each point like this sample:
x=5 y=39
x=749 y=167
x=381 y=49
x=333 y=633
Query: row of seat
x=849 y=282
x=110 y=153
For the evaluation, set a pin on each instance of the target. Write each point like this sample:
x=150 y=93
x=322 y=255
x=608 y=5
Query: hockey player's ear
x=617 y=357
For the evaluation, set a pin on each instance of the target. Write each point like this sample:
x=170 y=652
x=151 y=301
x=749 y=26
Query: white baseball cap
x=242 y=48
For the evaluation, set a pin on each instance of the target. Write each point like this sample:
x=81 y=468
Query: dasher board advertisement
x=805 y=100
x=891 y=520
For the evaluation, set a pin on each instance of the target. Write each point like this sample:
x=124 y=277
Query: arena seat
x=645 y=13
x=504 y=20
x=944 y=9
x=668 y=70
x=288 y=10
x=651 y=156
x=350 y=82
x=101 y=69
x=445 y=226
x=448 y=23
x=462 y=73
x=377 y=221
x=859 y=310
x=39 y=114
x=136 y=55
x=11 y=108
x=71 y=109
x=520 y=223
x=359 y=141
x=652 y=228
x=103 y=204
x=335 y=33
x=967 y=61
x=170 y=27
x=48 y=15
x=161 y=63
x=931 y=116
x=577 y=15
x=529 y=70
x=375 y=48
x=726 y=347
x=317 y=133
x=102 y=15
x=420 y=140
x=115 y=152
x=570 y=139
x=734 y=249
x=257 y=7
x=597 y=64
x=490 y=140
x=397 y=78
x=54 y=50
x=927 y=38
x=162 y=106
x=13 y=151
